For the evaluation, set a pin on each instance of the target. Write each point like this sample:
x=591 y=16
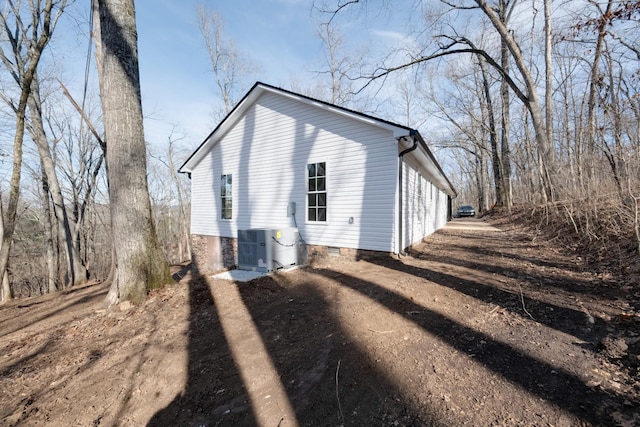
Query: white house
x=350 y=183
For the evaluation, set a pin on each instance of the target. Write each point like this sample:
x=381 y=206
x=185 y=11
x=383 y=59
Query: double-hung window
x=317 y=192
x=225 y=197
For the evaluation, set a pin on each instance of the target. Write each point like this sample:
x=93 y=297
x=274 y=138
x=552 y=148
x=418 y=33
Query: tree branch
x=384 y=72
x=334 y=12
x=93 y=130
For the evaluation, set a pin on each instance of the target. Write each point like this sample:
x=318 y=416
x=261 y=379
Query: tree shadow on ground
x=214 y=393
x=329 y=379
x=550 y=383
x=86 y=295
x=472 y=255
x=564 y=319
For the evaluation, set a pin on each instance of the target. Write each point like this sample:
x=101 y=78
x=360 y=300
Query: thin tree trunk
x=76 y=270
x=611 y=135
x=5 y=292
x=480 y=181
x=496 y=163
x=140 y=262
x=593 y=86
x=14 y=192
x=506 y=8
x=548 y=101
x=5 y=288
x=505 y=129
x=50 y=239
x=184 y=251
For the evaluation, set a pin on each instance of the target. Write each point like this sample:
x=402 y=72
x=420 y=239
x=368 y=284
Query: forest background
x=528 y=104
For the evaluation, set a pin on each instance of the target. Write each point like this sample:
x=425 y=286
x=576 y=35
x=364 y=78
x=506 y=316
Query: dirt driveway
x=476 y=327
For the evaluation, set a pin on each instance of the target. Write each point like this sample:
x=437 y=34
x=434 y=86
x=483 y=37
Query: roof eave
x=230 y=119
x=424 y=148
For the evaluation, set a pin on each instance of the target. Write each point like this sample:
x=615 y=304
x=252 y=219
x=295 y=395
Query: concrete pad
x=239 y=275
x=247 y=275
x=475 y=224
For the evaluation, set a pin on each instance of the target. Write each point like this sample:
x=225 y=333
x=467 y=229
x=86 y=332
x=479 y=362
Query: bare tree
x=531 y=98
x=81 y=159
x=140 y=262
x=76 y=270
x=172 y=201
x=548 y=75
x=502 y=158
x=26 y=42
x=527 y=91
x=408 y=102
x=50 y=236
x=230 y=68
x=496 y=158
x=340 y=65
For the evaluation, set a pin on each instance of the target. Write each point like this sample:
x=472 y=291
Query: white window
x=225 y=197
x=420 y=199
x=317 y=192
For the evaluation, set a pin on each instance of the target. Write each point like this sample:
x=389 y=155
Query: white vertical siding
x=267 y=152
x=422 y=215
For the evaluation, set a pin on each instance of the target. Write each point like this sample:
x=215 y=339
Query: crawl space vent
x=333 y=251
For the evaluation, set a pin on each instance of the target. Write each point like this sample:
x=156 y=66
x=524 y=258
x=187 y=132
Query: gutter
x=412 y=135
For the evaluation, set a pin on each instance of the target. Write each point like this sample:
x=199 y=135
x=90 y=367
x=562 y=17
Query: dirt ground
x=476 y=327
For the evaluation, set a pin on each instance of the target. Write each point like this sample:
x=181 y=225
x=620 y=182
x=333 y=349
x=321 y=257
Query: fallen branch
x=523 y=306
x=338 y=394
x=381 y=332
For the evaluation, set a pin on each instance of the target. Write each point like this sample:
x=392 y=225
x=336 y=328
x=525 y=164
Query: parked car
x=465 y=211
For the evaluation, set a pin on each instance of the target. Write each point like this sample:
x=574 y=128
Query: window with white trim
x=226 y=199
x=420 y=199
x=317 y=192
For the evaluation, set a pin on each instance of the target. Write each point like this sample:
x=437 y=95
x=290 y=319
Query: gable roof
x=260 y=88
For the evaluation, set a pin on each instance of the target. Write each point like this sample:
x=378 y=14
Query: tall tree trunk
x=505 y=126
x=480 y=173
x=548 y=66
x=23 y=68
x=76 y=270
x=184 y=240
x=533 y=102
x=594 y=81
x=50 y=238
x=496 y=162
x=612 y=149
x=9 y=221
x=505 y=145
x=140 y=262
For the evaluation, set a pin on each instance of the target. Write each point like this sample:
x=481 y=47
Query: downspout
x=412 y=133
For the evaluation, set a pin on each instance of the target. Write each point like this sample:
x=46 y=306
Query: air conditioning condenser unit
x=267 y=250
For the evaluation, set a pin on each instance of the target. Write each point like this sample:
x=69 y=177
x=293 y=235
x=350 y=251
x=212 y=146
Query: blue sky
x=178 y=86
x=177 y=83
x=279 y=36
